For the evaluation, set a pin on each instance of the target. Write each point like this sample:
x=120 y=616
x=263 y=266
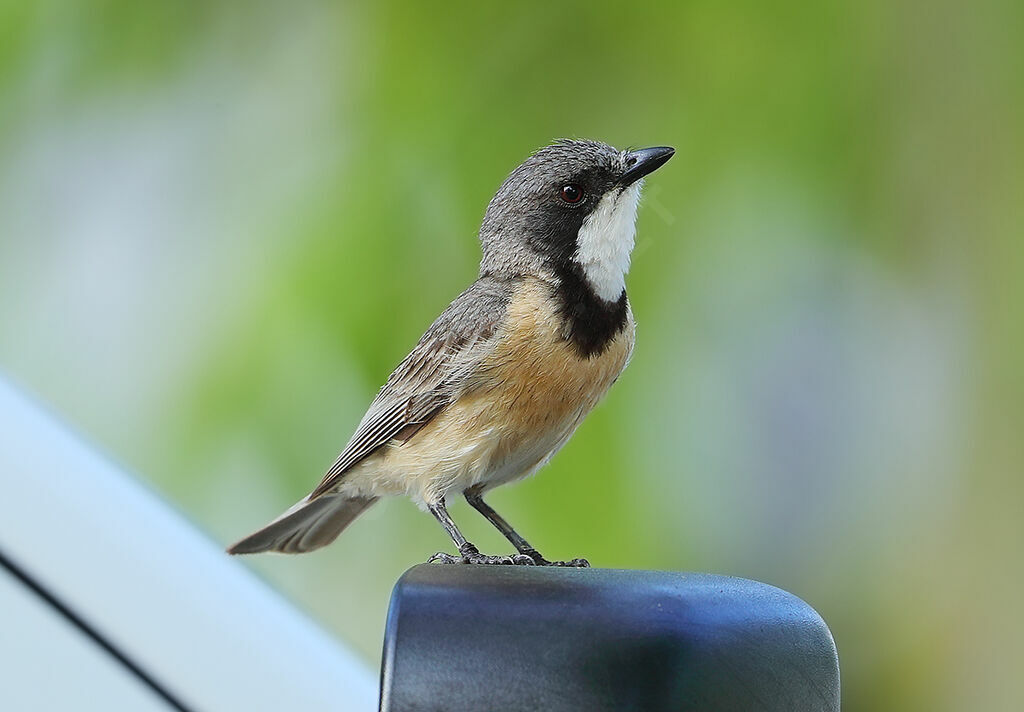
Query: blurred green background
x=222 y=224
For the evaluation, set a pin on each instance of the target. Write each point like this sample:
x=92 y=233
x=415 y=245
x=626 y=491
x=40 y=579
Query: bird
x=504 y=376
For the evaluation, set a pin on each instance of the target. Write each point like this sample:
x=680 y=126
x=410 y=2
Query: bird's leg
x=475 y=498
x=440 y=512
x=476 y=501
x=469 y=554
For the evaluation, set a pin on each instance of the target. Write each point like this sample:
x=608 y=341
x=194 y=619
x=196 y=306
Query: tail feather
x=309 y=525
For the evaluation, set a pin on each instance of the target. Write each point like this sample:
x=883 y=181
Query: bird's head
x=569 y=209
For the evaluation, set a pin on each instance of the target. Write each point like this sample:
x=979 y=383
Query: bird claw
x=487 y=560
x=479 y=559
x=442 y=557
x=572 y=563
x=539 y=560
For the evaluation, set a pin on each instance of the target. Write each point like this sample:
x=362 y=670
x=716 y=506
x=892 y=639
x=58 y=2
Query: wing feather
x=433 y=375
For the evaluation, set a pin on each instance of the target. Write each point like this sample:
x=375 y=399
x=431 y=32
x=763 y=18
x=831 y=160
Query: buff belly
x=525 y=402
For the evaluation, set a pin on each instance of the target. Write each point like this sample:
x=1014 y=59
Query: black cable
x=91 y=632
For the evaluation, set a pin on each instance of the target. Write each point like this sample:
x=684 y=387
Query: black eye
x=572 y=193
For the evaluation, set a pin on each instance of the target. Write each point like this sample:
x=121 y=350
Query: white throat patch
x=605 y=241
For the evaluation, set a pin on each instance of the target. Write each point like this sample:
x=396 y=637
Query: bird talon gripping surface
x=486 y=560
x=443 y=557
x=504 y=376
x=571 y=564
x=476 y=558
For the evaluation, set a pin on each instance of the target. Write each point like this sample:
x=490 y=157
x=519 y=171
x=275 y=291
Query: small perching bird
x=502 y=379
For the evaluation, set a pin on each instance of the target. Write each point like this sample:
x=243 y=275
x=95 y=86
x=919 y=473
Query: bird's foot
x=475 y=557
x=539 y=560
x=469 y=554
x=443 y=557
x=487 y=560
x=572 y=563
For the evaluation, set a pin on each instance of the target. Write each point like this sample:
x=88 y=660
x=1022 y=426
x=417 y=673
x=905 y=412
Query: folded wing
x=434 y=374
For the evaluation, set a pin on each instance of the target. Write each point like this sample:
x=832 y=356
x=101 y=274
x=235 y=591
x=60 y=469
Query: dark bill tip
x=643 y=161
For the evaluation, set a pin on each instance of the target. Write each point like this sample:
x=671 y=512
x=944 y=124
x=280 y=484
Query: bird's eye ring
x=572 y=194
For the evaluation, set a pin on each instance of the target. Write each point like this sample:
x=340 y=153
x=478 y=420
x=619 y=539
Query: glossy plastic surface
x=523 y=638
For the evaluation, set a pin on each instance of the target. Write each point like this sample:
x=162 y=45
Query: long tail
x=308 y=525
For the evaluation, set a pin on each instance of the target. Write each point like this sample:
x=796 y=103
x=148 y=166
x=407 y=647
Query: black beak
x=643 y=161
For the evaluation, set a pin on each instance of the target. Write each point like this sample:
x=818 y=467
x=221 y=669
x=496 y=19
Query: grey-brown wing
x=430 y=377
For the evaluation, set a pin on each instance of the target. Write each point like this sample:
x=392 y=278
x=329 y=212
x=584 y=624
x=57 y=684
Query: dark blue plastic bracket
x=510 y=638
